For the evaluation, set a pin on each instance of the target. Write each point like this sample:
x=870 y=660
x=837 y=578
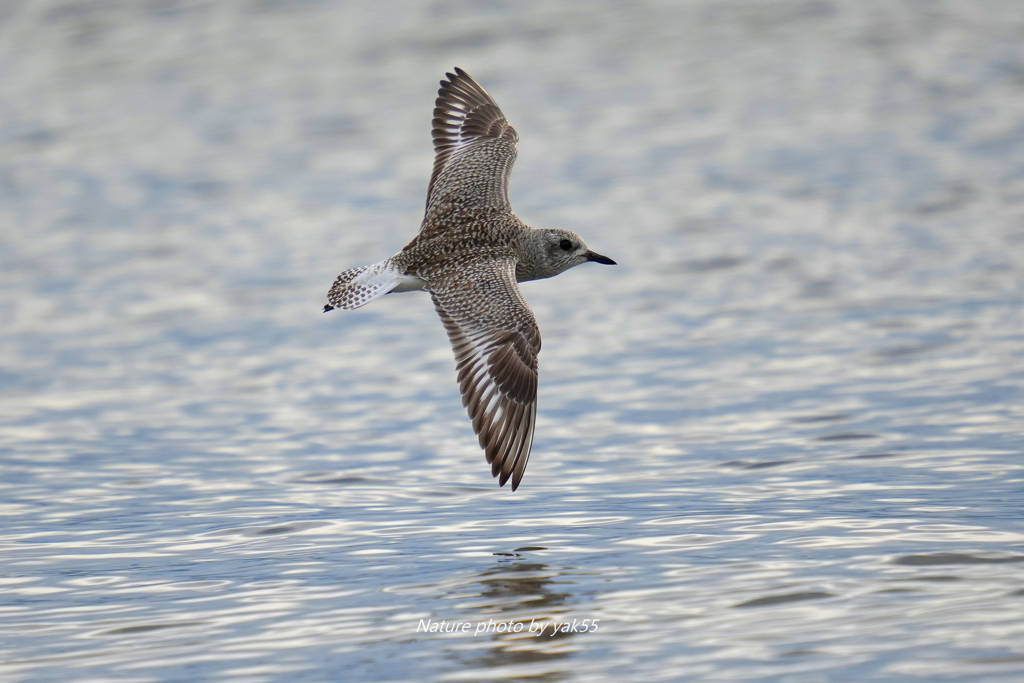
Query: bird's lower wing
x=496 y=341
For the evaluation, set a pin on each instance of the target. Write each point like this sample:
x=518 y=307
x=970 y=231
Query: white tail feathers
x=359 y=286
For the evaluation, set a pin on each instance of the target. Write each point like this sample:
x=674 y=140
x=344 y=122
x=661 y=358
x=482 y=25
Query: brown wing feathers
x=463 y=114
x=497 y=374
x=491 y=328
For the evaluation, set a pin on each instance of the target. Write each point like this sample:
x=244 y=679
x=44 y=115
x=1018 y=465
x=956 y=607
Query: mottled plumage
x=470 y=252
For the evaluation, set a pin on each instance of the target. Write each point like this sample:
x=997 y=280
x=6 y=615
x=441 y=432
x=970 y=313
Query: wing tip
x=459 y=73
x=516 y=451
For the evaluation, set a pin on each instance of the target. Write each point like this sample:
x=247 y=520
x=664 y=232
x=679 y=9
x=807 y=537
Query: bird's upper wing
x=496 y=340
x=474 y=147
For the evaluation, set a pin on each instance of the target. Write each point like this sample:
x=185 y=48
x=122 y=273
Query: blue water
x=781 y=441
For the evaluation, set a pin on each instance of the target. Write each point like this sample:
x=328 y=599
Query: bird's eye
x=566 y=245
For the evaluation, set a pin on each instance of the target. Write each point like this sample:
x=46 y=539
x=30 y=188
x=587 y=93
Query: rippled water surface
x=781 y=441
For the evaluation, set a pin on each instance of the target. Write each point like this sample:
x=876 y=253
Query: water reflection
x=524 y=597
x=515 y=586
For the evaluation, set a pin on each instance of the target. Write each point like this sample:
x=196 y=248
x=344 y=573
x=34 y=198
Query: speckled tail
x=359 y=286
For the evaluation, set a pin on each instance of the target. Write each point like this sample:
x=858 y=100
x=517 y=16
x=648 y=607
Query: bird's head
x=560 y=250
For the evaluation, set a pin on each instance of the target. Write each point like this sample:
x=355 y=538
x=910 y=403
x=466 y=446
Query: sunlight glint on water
x=781 y=441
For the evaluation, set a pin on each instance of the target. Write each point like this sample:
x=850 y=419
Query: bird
x=469 y=254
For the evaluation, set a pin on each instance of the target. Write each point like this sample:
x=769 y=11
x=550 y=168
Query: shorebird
x=470 y=252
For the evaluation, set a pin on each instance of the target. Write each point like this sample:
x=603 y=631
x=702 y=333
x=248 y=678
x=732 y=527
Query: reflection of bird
x=469 y=254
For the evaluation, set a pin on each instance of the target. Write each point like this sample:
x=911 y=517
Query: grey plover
x=470 y=252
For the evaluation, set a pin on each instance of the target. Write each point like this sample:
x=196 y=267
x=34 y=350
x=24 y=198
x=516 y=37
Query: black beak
x=597 y=258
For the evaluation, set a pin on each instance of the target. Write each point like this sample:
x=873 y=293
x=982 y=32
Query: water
x=781 y=441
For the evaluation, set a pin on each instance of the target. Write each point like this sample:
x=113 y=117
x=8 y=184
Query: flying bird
x=470 y=252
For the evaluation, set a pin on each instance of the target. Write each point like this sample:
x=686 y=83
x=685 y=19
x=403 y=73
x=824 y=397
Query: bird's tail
x=359 y=286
